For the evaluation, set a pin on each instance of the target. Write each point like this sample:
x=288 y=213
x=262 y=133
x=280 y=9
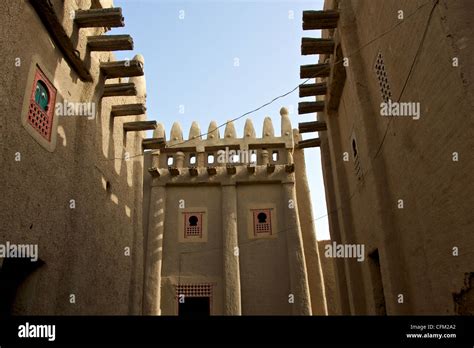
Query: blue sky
x=216 y=60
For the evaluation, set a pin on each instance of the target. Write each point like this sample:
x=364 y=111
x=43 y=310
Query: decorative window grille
x=262 y=221
x=41 y=108
x=382 y=78
x=194 y=290
x=193 y=225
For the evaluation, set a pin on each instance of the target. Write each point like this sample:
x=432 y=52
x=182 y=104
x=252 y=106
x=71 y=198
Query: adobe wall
x=83 y=248
x=251 y=274
x=330 y=285
x=406 y=159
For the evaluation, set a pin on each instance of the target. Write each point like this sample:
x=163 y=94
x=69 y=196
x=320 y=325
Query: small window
x=192 y=225
x=357 y=164
x=41 y=105
x=253 y=157
x=170 y=160
x=262 y=224
x=210 y=159
x=275 y=156
x=192 y=159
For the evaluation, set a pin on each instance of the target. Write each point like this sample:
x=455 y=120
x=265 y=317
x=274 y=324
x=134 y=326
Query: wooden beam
x=314 y=126
x=290 y=168
x=336 y=82
x=304 y=144
x=173 y=171
x=314 y=70
x=100 y=17
x=193 y=171
x=128 y=109
x=123 y=68
x=309 y=107
x=139 y=126
x=316 y=46
x=153 y=143
x=55 y=29
x=270 y=168
x=313 y=89
x=154 y=172
x=119 y=89
x=211 y=170
x=320 y=19
x=110 y=43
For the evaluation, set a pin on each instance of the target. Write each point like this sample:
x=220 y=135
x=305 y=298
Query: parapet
x=210 y=154
x=199 y=142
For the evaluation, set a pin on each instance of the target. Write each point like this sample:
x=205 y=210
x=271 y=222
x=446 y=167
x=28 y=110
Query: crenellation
x=214 y=151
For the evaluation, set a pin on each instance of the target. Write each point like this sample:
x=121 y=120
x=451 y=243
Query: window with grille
x=355 y=153
x=382 y=78
x=262 y=222
x=193 y=225
x=194 y=290
x=41 y=105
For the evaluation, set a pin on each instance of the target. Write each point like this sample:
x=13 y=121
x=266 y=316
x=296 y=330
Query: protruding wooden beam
x=110 y=43
x=100 y=17
x=314 y=70
x=270 y=168
x=193 y=171
x=139 y=126
x=316 y=46
x=290 y=168
x=336 y=82
x=128 y=109
x=123 y=68
x=313 y=89
x=153 y=143
x=173 y=171
x=303 y=144
x=154 y=172
x=309 y=107
x=119 y=89
x=211 y=170
x=55 y=29
x=251 y=169
x=231 y=170
x=320 y=19
x=314 y=126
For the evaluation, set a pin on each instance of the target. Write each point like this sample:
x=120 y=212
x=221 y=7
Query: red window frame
x=262 y=228
x=40 y=120
x=187 y=228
